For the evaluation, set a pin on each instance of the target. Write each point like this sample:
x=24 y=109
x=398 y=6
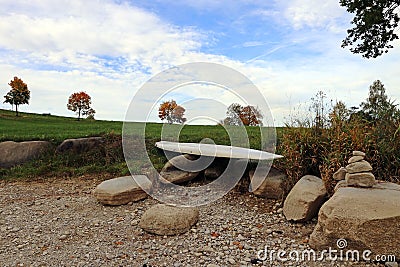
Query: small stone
x=359 y=166
x=340 y=174
x=162 y=219
x=363 y=179
x=120 y=191
x=391 y=264
x=63 y=237
x=231 y=261
x=355 y=159
x=358 y=153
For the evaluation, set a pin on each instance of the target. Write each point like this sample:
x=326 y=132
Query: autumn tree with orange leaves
x=172 y=112
x=239 y=115
x=80 y=103
x=18 y=95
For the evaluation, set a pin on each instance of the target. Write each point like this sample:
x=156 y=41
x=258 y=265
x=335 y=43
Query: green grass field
x=30 y=126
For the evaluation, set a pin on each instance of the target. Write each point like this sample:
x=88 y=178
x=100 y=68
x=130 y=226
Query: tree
x=80 y=103
x=251 y=116
x=375 y=22
x=239 y=115
x=233 y=115
x=18 y=95
x=378 y=106
x=172 y=112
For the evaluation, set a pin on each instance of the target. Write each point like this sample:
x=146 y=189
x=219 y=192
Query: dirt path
x=58 y=223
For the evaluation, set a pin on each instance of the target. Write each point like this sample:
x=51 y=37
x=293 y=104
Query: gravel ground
x=59 y=223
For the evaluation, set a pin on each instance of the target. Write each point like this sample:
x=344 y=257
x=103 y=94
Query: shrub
x=326 y=146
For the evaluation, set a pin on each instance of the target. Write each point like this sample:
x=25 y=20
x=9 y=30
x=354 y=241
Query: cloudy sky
x=288 y=49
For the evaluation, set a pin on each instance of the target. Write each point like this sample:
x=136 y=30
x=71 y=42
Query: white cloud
x=312 y=13
x=110 y=50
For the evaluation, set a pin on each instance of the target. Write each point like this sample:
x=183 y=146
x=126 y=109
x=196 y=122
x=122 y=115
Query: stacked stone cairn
x=357 y=173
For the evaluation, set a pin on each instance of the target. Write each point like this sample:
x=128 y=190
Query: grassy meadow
x=109 y=160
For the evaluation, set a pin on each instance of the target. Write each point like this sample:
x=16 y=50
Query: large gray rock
x=305 y=199
x=119 y=191
x=13 y=153
x=174 y=175
x=271 y=187
x=368 y=218
x=163 y=219
x=79 y=145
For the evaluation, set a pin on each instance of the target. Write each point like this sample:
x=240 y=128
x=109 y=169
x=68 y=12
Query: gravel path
x=59 y=223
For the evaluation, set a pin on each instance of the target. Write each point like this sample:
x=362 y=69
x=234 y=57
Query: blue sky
x=289 y=49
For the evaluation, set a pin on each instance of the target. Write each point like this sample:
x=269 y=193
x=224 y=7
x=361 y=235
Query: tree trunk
x=16 y=110
x=79 y=114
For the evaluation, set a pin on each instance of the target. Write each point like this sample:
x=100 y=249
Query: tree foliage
x=80 y=103
x=239 y=115
x=172 y=112
x=378 y=106
x=18 y=95
x=375 y=22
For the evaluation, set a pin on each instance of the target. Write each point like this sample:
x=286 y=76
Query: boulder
x=15 y=153
x=305 y=199
x=174 y=175
x=271 y=187
x=359 y=166
x=119 y=191
x=340 y=174
x=362 y=179
x=79 y=145
x=368 y=218
x=163 y=219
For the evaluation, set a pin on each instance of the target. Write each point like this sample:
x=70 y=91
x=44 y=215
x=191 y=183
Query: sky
x=289 y=49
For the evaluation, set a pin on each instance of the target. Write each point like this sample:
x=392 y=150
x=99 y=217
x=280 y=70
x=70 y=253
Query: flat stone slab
x=163 y=219
x=220 y=151
x=119 y=191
